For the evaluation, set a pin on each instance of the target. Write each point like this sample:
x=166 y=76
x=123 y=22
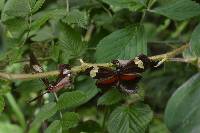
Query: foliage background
x=97 y=31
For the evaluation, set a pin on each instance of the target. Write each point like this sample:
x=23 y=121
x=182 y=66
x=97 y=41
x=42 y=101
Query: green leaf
x=195 y=41
x=89 y=126
x=15 y=108
x=55 y=127
x=37 y=6
x=182 y=111
x=43 y=34
x=157 y=126
x=122 y=44
x=2 y=2
x=111 y=97
x=9 y=128
x=4 y=89
x=19 y=8
x=88 y=87
x=2 y=104
x=71 y=42
x=133 y=119
x=76 y=17
x=45 y=16
x=69 y=120
x=179 y=9
x=46 y=112
x=71 y=99
x=133 y=5
x=17 y=28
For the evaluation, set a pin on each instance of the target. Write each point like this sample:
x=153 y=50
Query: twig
x=84 y=66
x=170 y=54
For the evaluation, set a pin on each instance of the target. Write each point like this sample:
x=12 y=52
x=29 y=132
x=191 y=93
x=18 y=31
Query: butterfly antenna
x=37 y=97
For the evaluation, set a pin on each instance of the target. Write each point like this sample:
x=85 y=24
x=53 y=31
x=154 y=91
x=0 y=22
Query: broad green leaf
x=88 y=87
x=43 y=34
x=195 y=41
x=55 y=127
x=76 y=17
x=182 y=111
x=71 y=42
x=2 y=104
x=179 y=9
x=130 y=4
x=122 y=44
x=19 y=8
x=132 y=119
x=46 y=112
x=41 y=21
x=37 y=6
x=16 y=27
x=10 y=128
x=69 y=120
x=71 y=99
x=111 y=97
x=43 y=17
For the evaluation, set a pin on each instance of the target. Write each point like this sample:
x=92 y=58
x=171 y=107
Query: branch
x=83 y=67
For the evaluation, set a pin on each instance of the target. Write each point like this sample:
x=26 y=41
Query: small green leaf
x=46 y=112
x=111 y=97
x=195 y=41
x=69 y=120
x=55 y=127
x=179 y=9
x=133 y=5
x=122 y=44
x=71 y=99
x=19 y=8
x=71 y=42
x=37 y=6
x=2 y=104
x=76 y=17
x=10 y=128
x=133 y=119
x=182 y=111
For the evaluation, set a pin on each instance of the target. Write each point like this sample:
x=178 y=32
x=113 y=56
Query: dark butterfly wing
x=36 y=67
x=137 y=65
x=104 y=73
x=107 y=82
x=130 y=77
x=128 y=82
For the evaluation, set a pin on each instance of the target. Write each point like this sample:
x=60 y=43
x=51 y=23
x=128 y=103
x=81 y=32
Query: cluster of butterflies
x=125 y=76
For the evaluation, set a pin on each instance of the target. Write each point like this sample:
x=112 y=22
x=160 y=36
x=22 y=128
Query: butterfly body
x=63 y=80
x=126 y=75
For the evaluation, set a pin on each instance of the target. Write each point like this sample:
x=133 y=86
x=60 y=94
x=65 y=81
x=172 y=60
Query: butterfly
x=63 y=80
x=126 y=75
